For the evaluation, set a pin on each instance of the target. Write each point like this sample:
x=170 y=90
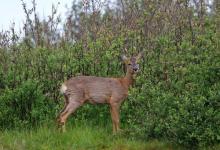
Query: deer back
x=95 y=89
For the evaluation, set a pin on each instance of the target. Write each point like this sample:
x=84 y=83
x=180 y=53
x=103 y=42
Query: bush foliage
x=176 y=95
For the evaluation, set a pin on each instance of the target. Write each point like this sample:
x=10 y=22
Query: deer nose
x=135 y=69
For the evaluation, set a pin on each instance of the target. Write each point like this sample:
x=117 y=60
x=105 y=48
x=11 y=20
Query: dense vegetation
x=176 y=95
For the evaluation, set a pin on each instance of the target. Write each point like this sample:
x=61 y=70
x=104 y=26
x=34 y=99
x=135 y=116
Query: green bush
x=25 y=105
x=176 y=95
x=185 y=108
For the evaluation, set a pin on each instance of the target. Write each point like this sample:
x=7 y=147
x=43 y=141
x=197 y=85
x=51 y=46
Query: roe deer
x=81 y=89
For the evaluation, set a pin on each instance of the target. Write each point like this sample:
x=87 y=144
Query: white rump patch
x=63 y=89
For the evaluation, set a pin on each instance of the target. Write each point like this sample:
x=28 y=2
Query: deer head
x=131 y=63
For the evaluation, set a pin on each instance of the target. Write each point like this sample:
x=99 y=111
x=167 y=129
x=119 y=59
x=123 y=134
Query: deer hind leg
x=69 y=109
x=66 y=103
x=115 y=117
x=62 y=111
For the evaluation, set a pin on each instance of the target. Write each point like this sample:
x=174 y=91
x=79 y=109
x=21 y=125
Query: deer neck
x=127 y=80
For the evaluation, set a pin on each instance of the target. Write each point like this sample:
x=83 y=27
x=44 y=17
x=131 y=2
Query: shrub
x=25 y=105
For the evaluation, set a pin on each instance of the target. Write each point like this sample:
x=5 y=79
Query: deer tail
x=63 y=89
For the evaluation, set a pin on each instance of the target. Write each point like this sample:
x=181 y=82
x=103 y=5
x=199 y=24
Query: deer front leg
x=115 y=116
x=113 y=123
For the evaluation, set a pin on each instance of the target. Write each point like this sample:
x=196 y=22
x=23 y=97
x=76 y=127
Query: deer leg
x=115 y=117
x=61 y=112
x=113 y=123
x=70 y=108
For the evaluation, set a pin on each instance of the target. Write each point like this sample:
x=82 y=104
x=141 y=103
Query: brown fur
x=97 y=90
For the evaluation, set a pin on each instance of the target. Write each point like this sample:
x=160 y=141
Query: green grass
x=76 y=138
x=79 y=137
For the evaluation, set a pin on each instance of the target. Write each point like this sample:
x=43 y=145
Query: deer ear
x=139 y=56
x=124 y=58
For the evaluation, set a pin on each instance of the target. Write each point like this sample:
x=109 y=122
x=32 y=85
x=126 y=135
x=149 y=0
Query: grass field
x=79 y=137
x=76 y=138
